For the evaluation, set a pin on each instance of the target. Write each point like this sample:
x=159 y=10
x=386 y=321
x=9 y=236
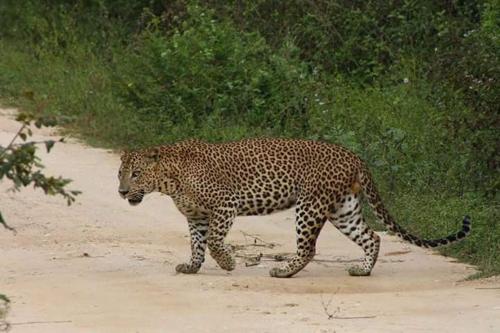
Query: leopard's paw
x=186 y=269
x=358 y=271
x=227 y=264
x=280 y=272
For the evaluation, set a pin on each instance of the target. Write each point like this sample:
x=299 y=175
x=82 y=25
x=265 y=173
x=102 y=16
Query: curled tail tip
x=467 y=220
x=447 y=240
x=462 y=233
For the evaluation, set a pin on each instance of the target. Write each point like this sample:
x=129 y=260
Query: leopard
x=213 y=183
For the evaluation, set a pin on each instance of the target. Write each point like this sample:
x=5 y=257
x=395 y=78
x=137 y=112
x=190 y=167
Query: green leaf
x=5 y=225
x=49 y=144
x=4 y=298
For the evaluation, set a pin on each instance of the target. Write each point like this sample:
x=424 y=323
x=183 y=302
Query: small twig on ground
x=396 y=253
x=333 y=315
x=258 y=239
x=255 y=261
x=242 y=247
x=42 y=322
x=358 y=317
x=277 y=257
x=337 y=260
x=252 y=259
x=326 y=307
x=249 y=264
x=83 y=255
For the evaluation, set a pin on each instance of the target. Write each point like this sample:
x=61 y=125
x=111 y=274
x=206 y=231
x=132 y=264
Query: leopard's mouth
x=136 y=199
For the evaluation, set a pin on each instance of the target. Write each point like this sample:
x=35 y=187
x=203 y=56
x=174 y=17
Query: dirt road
x=104 y=266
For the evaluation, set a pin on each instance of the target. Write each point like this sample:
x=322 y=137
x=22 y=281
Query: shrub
x=207 y=75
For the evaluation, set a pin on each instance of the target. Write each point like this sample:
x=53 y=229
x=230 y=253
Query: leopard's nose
x=123 y=193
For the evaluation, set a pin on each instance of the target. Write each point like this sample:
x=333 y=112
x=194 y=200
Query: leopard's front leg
x=220 y=222
x=198 y=229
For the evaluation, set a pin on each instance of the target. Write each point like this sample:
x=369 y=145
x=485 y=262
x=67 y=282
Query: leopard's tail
x=375 y=202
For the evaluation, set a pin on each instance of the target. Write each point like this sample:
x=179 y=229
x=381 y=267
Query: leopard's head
x=138 y=174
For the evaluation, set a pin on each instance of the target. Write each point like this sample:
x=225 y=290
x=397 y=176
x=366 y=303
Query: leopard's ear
x=153 y=154
x=124 y=155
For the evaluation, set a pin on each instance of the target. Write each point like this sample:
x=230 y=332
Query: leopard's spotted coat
x=211 y=184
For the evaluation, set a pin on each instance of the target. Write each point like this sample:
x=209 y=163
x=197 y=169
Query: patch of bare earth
x=103 y=266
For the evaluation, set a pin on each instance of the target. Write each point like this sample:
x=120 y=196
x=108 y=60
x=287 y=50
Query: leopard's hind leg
x=347 y=217
x=310 y=218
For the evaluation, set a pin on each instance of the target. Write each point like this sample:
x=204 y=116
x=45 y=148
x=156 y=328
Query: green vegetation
x=4 y=308
x=411 y=86
x=21 y=166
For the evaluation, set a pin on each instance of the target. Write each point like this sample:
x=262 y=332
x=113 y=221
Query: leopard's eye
x=135 y=174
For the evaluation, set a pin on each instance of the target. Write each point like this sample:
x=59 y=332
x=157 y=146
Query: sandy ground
x=104 y=266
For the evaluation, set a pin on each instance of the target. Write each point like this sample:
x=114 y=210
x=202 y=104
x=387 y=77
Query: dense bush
x=207 y=76
x=453 y=44
x=411 y=86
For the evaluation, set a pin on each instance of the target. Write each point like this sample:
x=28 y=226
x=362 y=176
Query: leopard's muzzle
x=135 y=198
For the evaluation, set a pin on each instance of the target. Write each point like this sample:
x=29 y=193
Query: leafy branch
x=20 y=164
